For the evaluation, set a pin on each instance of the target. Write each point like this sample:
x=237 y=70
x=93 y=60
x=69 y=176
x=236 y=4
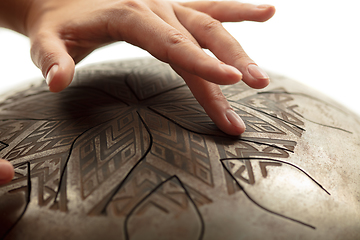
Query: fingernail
x=6 y=170
x=235 y=119
x=230 y=69
x=51 y=74
x=263 y=6
x=256 y=72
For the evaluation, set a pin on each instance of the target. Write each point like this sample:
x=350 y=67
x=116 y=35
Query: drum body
x=126 y=152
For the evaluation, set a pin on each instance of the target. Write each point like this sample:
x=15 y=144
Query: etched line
x=27 y=197
x=153 y=96
x=103 y=211
x=62 y=174
x=205 y=134
x=220 y=136
x=324 y=125
x=279 y=161
x=130 y=88
x=264 y=165
x=202 y=230
x=266 y=144
x=304 y=95
x=313 y=98
x=267 y=114
x=260 y=206
x=102 y=91
x=3 y=145
x=300 y=94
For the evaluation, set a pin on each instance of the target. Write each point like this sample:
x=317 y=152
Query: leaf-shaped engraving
x=167 y=201
x=276 y=186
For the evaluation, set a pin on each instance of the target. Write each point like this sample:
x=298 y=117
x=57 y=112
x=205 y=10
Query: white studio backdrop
x=316 y=42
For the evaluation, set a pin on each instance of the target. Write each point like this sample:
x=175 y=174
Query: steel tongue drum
x=126 y=152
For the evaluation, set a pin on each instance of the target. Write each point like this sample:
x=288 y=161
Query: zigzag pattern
x=279 y=106
x=184 y=150
x=50 y=135
x=12 y=129
x=70 y=104
x=46 y=172
x=155 y=81
x=167 y=201
x=107 y=150
x=142 y=182
x=189 y=114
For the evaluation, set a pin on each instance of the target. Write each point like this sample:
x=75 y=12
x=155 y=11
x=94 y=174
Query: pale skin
x=63 y=32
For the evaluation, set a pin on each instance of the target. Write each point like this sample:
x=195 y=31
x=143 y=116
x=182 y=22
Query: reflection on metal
x=126 y=152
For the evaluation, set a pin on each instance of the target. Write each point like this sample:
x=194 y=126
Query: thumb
x=49 y=53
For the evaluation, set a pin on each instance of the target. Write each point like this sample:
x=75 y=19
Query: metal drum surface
x=126 y=152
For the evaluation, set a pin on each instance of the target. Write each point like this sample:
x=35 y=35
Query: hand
x=6 y=172
x=64 y=32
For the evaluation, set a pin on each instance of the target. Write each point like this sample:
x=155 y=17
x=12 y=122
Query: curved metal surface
x=126 y=152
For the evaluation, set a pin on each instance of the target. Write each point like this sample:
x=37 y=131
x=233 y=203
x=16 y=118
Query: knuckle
x=131 y=4
x=240 y=55
x=175 y=37
x=210 y=24
x=213 y=99
x=125 y=9
x=122 y=17
x=217 y=96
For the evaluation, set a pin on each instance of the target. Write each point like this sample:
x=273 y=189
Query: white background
x=316 y=42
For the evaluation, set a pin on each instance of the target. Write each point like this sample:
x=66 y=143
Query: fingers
x=209 y=94
x=173 y=46
x=224 y=46
x=49 y=54
x=6 y=172
x=233 y=11
x=213 y=101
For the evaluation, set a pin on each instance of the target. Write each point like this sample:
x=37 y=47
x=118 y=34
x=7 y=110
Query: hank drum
x=126 y=152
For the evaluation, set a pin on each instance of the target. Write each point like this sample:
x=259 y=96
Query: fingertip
x=237 y=124
x=60 y=76
x=224 y=117
x=213 y=101
x=268 y=12
x=6 y=171
x=256 y=77
x=57 y=79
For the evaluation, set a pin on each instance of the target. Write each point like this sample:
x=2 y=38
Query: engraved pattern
x=134 y=140
x=107 y=150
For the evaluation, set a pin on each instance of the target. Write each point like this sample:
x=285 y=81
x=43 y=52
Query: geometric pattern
x=132 y=142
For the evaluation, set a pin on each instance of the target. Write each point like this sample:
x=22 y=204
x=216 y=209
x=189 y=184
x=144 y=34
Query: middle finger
x=210 y=34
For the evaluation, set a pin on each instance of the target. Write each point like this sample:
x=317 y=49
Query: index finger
x=214 y=103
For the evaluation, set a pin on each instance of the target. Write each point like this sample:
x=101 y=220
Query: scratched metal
x=126 y=152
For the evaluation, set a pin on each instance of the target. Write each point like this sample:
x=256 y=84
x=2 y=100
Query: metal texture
x=126 y=152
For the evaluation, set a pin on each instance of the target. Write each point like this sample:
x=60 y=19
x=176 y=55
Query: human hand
x=64 y=32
